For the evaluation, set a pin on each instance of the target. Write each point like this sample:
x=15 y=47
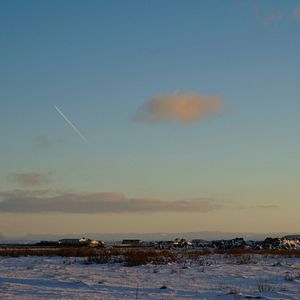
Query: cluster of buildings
x=288 y=243
x=73 y=243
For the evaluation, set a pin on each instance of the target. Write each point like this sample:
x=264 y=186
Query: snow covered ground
x=211 y=277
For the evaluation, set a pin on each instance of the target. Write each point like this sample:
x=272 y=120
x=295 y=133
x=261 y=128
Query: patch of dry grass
x=141 y=256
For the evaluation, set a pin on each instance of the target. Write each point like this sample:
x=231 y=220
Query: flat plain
x=209 y=276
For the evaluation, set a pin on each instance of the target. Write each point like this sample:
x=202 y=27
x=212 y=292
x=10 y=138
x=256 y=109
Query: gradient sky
x=103 y=63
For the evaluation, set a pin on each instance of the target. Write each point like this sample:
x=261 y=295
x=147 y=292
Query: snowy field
x=211 y=277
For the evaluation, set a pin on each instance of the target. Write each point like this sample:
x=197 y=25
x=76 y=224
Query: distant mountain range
x=205 y=235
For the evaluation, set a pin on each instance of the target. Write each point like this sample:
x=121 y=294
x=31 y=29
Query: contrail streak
x=71 y=124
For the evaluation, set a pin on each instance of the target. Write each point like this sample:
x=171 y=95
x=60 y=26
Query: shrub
x=236 y=292
x=263 y=286
x=143 y=257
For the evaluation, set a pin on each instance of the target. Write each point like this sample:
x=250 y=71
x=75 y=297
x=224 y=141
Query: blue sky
x=101 y=61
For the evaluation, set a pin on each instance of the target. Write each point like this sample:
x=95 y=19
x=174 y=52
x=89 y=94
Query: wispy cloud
x=26 y=202
x=30 y=179
x=186 y=108
x=296 y=13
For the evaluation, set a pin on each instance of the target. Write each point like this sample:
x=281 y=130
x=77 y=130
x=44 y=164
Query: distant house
x=200 y=243
x=69 y=242
x=294 y=237
x=84 y=241
x=132 y=243
x=181 y=243
x=81 y=242
x=47 y=244
x=177 y=243
x=96 y=243
x=165 y=244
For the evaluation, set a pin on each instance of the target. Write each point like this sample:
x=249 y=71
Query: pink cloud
x=28 y=202
x=31 y=178
x=186 y=108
